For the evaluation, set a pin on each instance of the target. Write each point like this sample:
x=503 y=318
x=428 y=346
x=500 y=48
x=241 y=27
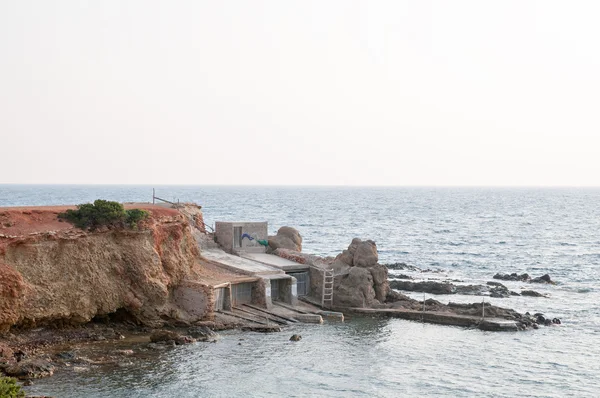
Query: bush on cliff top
x=10 y=389
x=103 y=213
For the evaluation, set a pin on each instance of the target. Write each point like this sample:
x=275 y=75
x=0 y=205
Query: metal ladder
x=327 y=294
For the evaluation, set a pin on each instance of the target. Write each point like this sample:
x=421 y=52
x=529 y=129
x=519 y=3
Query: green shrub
x=10 y=389
x=103 y=213
x=134 y=216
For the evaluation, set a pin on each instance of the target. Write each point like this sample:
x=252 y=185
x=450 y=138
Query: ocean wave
x=469 y=254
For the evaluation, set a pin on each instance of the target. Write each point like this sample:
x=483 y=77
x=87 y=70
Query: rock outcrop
x=431 y=287
x=360 y=281
x=532 y=293
x=493 y=289
x=525 y=278
x=286 y=238
x=54 y=274
x=513 y=277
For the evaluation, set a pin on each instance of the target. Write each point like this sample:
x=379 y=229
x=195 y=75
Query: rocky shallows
x=361 y=285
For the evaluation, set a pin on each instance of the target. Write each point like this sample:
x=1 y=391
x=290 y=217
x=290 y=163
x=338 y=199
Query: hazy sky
x=300 y=92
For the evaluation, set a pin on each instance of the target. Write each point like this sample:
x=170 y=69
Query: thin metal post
x=153 y=195
x=483 y=309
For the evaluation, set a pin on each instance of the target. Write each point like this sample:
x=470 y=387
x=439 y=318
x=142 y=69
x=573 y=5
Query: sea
x=467 y=234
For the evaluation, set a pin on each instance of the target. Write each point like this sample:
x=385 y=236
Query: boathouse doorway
x=303 y=282
x=275 y=289
x=219 y=299
x=241 y=293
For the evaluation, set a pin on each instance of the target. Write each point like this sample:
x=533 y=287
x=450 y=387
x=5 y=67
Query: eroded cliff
x=54 y=274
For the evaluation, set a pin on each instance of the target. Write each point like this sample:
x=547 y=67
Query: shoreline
x=179 y=293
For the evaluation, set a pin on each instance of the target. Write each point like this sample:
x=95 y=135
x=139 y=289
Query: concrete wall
x=224 y=234
x=196 y=299
x=256 y=230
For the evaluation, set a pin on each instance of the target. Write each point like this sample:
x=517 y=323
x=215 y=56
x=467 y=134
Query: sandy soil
x=18 y=221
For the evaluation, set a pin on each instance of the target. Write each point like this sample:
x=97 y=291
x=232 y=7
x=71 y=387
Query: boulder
x=380 y=283
x=170 y=337
x=532 y=293
x=286 y=238
x=30 y=369
x=6 y=353
x=543 y=279
x=513 y=277
x=339 y=267
x=365 y=254
x=355 y=289
x=346 y=257
x=295 y=337
x=202 y=333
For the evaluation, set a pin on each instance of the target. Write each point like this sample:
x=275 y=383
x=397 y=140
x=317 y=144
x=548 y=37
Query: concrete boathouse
x=270 y=278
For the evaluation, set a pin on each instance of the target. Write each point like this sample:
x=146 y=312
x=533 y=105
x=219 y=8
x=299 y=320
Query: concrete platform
x=275 y=261
x=443 y=318
x=309 y=318
x=240 y=264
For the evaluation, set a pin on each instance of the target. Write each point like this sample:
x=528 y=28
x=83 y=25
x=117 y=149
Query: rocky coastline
x=78 y=299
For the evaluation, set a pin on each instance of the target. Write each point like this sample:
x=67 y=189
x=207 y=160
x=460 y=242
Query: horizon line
x=298 y=185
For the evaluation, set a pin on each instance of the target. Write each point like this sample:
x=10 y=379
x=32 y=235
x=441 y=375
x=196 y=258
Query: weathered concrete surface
x=252 y=232
x=240 y=264
x=309 y=318
x=332 y=315
x=275 y=261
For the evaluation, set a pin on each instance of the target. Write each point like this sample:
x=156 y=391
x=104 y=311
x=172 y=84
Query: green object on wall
x=263 y=242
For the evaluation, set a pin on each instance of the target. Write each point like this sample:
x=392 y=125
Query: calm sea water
x=469 y=233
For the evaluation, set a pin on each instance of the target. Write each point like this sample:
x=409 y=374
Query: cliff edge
x=52 y=273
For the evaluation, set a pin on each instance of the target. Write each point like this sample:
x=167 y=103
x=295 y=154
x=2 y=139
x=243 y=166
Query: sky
x=400 y=93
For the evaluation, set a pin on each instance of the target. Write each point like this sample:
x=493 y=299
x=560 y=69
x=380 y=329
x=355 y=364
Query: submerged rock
x=543 y=279
x=426 y=287
x=513 y=277
x=167 y=336
x=295 y=337
x=532 y=293
x=471 y=290
x=202 y=333
x=524 y=278
x=402 y=266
